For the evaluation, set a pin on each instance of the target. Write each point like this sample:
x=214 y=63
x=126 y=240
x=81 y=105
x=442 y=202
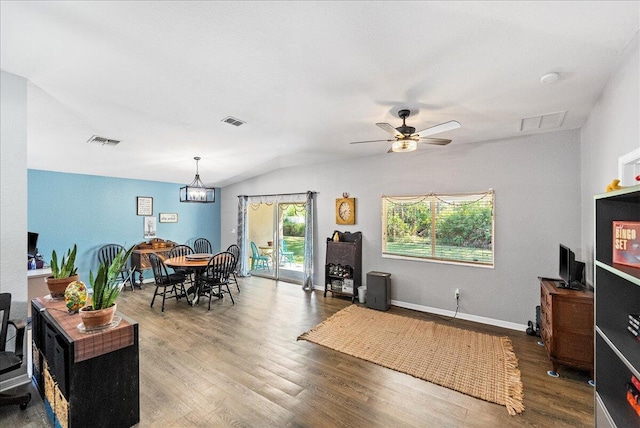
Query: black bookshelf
x=617 y=294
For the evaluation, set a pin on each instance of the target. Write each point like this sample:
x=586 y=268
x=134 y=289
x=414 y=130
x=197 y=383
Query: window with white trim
x=450 y=228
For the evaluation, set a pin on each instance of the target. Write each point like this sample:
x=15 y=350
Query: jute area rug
x=476 y=364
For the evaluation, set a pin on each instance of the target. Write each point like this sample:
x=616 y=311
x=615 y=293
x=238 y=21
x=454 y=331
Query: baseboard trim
x=446 y=313
x=468 y=317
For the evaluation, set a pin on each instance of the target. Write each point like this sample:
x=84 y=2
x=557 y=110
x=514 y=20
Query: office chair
x=10 y=361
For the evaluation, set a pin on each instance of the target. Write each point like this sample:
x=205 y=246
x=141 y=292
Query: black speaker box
x=578 y=272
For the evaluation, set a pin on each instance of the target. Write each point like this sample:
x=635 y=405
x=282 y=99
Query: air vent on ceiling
x=544 y=121
x=233 y=121
x=103 y=141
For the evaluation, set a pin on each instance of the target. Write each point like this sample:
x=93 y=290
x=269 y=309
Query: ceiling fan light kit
x=406 y=137
x=404 y=146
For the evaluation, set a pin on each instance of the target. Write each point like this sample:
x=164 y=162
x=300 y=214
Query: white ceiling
x=307 y=77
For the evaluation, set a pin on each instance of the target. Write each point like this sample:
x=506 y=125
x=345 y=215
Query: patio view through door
x=276 y=236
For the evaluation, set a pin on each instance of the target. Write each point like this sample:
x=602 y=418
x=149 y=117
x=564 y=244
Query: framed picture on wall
x=168 y=217
x=144 y=205
x=150 y=227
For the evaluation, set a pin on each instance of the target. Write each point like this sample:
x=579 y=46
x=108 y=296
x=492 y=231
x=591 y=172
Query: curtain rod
x=279 y=194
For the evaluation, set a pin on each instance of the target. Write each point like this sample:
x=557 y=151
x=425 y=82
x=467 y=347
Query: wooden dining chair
x=216 y=275
x=181 y=251
x=286 y=256
x=235 y=250
x=258 y=261
x=107 y=253
x=167 y=284
x=202 y=245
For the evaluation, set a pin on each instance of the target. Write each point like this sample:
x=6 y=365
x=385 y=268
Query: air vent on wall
x=233 y=121
x=103 y=141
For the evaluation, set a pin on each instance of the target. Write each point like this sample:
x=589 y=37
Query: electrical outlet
x=457 y=293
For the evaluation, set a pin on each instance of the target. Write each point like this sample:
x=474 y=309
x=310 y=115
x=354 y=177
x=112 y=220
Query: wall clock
x=346 y=211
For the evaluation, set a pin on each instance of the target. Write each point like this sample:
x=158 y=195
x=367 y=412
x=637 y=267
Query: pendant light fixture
x=197 y=191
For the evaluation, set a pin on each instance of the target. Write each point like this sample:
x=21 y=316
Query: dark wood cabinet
x=343 y=265
x=84 y=379
x=140 y=256
x=617 y=295
x=566 y=325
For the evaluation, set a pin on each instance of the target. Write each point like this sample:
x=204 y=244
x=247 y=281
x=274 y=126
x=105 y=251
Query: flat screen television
x=570 y=271
x=32 y=244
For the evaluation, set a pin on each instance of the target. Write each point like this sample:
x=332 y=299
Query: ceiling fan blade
x=370 y=141
x=436 y=141
x=443 y=127
x=390 y=129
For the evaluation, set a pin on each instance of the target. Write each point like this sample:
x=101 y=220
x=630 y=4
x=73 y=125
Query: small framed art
x=168 y=217
x=150 y=228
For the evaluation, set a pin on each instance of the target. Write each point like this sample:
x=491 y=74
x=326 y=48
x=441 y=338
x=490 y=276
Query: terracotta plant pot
x=58 y=285
x=97 y=318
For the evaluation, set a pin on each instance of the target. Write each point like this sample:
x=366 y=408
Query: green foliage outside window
x=457 y=228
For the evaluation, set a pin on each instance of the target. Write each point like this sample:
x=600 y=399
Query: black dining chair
x=216 y=275
x=107 y=253
x=235 y=250
x=181 y=251
x=202 y=245
x=167 y=284
x=10 y=361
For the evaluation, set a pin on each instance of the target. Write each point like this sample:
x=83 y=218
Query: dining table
x=197 y=263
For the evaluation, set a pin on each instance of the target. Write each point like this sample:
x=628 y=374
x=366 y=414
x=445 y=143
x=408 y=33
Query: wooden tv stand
x=566 y=326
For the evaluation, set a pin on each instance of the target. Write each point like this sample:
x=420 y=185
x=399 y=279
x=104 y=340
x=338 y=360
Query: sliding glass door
x=275 y=235
x=276 y=240
x=261 y=228
x=291 y=229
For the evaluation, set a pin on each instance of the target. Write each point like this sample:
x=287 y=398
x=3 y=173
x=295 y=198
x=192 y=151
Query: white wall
x=537 y=184
x=13 y=209
x=611 y=130
x=13 y=187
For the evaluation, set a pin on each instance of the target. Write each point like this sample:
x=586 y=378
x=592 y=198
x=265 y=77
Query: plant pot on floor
x=58 y=285
x=97 y=318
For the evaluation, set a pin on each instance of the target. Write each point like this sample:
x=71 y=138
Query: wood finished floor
x=242 y=366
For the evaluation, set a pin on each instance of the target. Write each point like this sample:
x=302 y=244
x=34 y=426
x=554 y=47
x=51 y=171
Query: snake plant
x=67 y=267
x=106 y=288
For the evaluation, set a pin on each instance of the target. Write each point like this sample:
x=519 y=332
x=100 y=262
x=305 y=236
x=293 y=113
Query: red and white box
x=626 y=243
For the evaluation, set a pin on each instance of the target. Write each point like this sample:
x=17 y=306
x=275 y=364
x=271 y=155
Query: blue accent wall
x=90 y=211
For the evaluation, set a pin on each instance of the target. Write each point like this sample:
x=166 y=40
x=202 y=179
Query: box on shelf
x=347 y=285
x=626 y=243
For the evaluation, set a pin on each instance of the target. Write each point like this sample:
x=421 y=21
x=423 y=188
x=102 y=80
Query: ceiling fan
x=406 y=138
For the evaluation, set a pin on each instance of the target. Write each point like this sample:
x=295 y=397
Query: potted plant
x=62 y=274
x=106 y=290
